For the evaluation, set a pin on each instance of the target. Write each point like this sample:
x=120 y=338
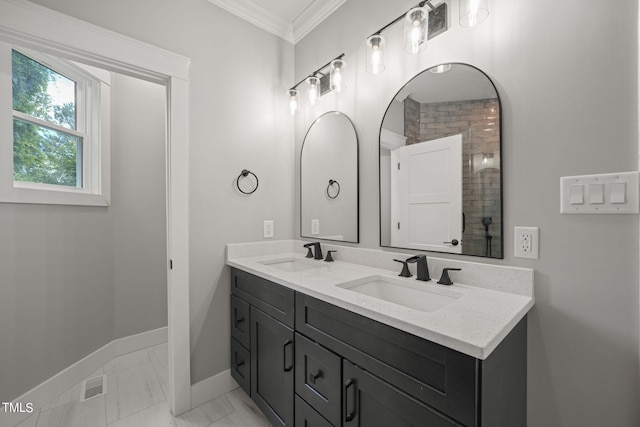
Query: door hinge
x=398 y=226
x=398 y=165
x=170 y=264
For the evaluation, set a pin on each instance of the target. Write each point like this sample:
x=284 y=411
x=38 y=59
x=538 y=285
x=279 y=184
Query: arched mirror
x=329 y=180
x=440 y=167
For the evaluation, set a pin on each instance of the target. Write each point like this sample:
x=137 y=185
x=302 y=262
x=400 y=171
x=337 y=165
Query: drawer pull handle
x=239 y=363
x=314 y=377
x=239 y=320
x=349 y=416
x=286 y=367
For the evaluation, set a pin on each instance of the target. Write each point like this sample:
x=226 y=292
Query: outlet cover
x=268 y=229
x=526 y=242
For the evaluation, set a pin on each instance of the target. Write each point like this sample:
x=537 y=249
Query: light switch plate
x=611 y=193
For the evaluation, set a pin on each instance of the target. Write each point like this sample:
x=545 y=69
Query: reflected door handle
x=453 y=242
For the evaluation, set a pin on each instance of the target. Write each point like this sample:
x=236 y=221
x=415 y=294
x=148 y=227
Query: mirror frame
x=357 y=239
x=426 y=70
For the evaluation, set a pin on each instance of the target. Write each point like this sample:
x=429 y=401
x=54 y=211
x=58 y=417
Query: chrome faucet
x=317 y=252
x=423 y=268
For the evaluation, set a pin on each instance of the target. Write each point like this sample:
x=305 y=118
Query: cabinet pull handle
x=239 y=320
x=314 y=377
x=239 y=363
x=349 y=416
x=284 y=354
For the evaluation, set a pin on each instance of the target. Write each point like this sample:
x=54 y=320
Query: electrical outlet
x=525 y=242
x=315 y=226
x=268 y=229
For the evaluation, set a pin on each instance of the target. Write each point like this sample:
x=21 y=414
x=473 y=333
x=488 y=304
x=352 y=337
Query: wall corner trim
x=212 y=387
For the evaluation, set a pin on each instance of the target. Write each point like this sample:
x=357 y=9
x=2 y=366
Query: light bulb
x=375 y=54
x=415 y=30
x=313 y=89
x=293 y=101
x=337 y=66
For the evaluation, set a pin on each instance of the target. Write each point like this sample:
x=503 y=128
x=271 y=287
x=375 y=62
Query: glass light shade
x=293 y=101
x=473 y=12
x=439 y=69
x=314 y=89
x=375 y=54
x=415 y=30
x=336 y=75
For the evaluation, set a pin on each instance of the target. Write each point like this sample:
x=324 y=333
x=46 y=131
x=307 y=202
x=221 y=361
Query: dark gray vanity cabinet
x=313 y=364
x=262 y=344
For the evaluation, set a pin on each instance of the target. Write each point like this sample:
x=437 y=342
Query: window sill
x=49 y=197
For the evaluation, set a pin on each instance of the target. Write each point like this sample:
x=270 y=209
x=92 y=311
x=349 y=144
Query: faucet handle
x=405 y=268
x=445 y=279
x=309 y=251
x=329 y=258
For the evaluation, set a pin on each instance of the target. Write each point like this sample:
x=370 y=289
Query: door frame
x=30 y=25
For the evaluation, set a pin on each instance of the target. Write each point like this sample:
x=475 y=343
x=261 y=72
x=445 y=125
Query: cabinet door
x=272 y=361
x=369 y=401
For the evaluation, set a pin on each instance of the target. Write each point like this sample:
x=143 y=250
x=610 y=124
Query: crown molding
x=317 y=12
x=292 y=32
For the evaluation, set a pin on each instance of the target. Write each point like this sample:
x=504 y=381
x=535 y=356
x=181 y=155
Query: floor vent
x=93 y=387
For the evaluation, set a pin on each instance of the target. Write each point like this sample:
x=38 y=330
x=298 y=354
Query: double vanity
x=349 y=342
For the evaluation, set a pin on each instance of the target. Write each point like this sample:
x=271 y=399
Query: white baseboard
x=43 y=393
x=212 y=387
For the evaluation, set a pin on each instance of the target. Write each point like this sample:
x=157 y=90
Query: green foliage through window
x=44 y=154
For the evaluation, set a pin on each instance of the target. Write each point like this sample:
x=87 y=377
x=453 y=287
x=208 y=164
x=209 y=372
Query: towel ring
x=244 y=174
x=331 y=182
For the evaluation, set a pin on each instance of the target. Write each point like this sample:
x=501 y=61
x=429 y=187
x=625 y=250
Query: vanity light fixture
x=293 y=101
x=473 y=12
x=314 y=89
x=316 y=81
x=375 y=54
x=336 y=76
x=415 y=30
x=421 y=23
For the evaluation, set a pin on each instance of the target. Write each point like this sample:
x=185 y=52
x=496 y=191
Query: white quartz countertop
x=473 y=324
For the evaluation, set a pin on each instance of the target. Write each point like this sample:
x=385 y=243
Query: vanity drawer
x=306 y=416
x=318 y=378
x=240 y=322
x=241 y=365
x=440 y=377
x=275 y=300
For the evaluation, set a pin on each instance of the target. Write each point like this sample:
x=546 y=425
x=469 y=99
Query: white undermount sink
x=292 y=264
x=422 y=296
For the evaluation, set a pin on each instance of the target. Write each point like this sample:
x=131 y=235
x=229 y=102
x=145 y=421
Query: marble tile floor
x=136 y=397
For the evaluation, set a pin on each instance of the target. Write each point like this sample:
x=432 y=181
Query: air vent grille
x=93 y=387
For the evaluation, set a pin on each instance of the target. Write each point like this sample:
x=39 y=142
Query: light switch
x=618 y=193
x=605 y=193
x=576 y=194
x=596 y=194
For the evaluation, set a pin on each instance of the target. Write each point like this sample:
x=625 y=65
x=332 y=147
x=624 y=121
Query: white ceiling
x=288 y=19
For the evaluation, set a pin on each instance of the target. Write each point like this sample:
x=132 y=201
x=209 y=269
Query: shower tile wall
x=477 y=121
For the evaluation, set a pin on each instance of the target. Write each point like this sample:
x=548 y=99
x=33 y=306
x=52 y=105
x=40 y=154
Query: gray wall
x=139 y=205
x=568 y=79
x=74 y=278
x=238 y=120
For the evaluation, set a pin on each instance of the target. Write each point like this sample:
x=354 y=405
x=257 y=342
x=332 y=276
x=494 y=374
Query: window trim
x=92 y=122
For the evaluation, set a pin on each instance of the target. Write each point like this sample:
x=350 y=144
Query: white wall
x=238 y=120
x=567 y=74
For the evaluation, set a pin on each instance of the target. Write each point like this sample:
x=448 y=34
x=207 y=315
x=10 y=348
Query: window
x=58 y=150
